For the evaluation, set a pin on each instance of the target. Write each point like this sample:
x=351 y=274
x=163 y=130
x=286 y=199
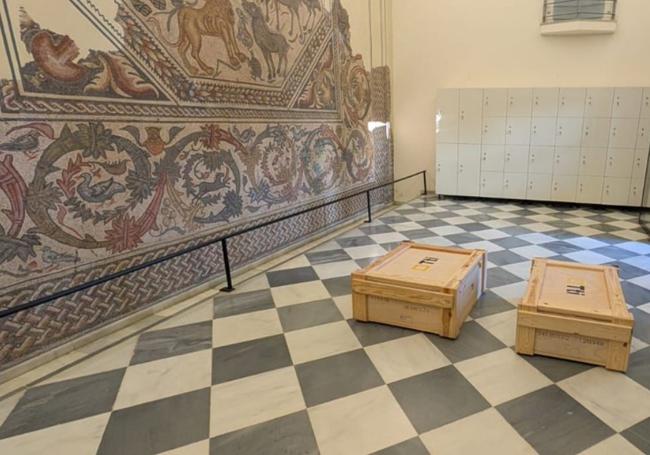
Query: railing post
x=226 y=263
x=369 y=207
x=424 y=178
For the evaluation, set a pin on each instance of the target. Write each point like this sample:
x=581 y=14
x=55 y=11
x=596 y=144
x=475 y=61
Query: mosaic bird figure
x=23 y=143
x=99 y=192
x=54 y=257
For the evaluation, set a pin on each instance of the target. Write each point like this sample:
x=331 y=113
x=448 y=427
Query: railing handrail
x=221 y=239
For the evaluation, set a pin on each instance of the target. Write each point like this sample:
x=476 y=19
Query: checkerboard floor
x=280 y=366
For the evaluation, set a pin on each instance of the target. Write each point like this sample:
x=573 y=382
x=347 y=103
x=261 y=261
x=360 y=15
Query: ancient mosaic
x=197 y=117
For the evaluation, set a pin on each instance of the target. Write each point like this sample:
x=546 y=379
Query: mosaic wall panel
x=194 y=120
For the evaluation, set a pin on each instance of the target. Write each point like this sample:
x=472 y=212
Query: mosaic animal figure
x=214 y=18
x=313 y=7
x=99 y=192
x=268 y=41
x=55 y=258
x=294 y=9
x=255 y=67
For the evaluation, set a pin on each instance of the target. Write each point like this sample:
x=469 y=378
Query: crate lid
x=568 y=288
x=425 y=266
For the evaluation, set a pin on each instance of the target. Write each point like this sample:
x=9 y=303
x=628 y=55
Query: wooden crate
x=420 y=287
x=576 y=312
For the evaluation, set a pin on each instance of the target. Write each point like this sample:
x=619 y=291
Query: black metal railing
x=224 y=245
x=576 y=10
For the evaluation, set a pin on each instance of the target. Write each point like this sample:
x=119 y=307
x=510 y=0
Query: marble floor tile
x=616 y=444
x=405 y=357
x=236 y=361
x=413 y=446
x=293 y=263
x=436 y=398
x=614 y=398
x=639 y=435
x=200 y=313
x=158 y=426
x=338 y=286
x=368 y=251
x=160 y=344
x=490 y=303
x=361 y=423
x=354 y=373
x=299 y=293
x=244 y=327
x=344 y=304
x=285 y=435
x=335 y=269
x=502 y=375
x=533 y=251
x=473 y=341
x=243 y=302
x=503 y=326
x=389 y=237
x=484 y=432
x=160 y=379
x=370 y=333
x=80 y=437
x=325 y=257
x=321 y=341
x=291 y=276
x=254 y=399
x=197 y=448
x=309 y=314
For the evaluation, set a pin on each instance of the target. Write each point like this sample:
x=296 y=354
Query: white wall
x=496 y=43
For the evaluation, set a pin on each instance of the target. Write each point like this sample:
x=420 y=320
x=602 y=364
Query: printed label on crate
x=575 y=286
x=425 y=264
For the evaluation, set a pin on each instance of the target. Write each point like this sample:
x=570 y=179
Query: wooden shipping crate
x=420 y=287
x=576 y=312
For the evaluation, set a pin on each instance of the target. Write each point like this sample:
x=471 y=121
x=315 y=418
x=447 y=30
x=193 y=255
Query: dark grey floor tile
x=324 y=257
x=560 y=235
x=417 y=234
x=481 y=218
x=612 y=239
x=232 y=304
x=561 y=224
x=338 y=286
x=639 y=367
x=499 y=277
x=248 y=358
x=614 y=252
x=635 y=295
x=379 y=229
x=515 y=230
x=394 y=219
x=349 y=242
x=627 y=271
x=337 y=376
x=445 y=214
x=464 y=237
x=432 y=223
x=509 y=242
x=291 y=434
x=392 y=245
x=553 y=422
x=310 y=314
x=407 y=211
x=561 y=247
x=473 y=341
x=473 y=227
x=604 y=227
x=639 y=435
x=437 y=398
x=505 y=257
x=291 y=276
x=413 y=446
x=365 y=262
x=65 y=401
x=490 y=303
x=158 y=426
x=556 y=369
x=160 y=344
x=641 y=325
x=370 y=333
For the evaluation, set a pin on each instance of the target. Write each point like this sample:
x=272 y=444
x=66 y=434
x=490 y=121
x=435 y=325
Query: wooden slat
x=576 y=326
x=407 y=294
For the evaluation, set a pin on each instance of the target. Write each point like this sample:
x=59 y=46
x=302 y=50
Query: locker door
x=447 y=107
x=623 y=133
x=469 y=169
x=640 y=163
x=636 y=193
x=514 y=185
x=516 y=158
x=540 y=160
x=494 y=130
x=643 y=134
x=627 y=102
x=619 y=163
x=543 y=131
x=446 y=169
x=518 y=130
x=520 y=102
x=645 y=103
x=590 y=189
x=471 y=106
x=564 y=188
x=598 y=102
x=592 y=161
x=595 y=132
x=545 y=102
x=539 y=187
x=568 y=132
x=494 y=102
x=572 y=102
x=566 y=161
x=492 y=157
x=492 y=184
x=616 y=191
